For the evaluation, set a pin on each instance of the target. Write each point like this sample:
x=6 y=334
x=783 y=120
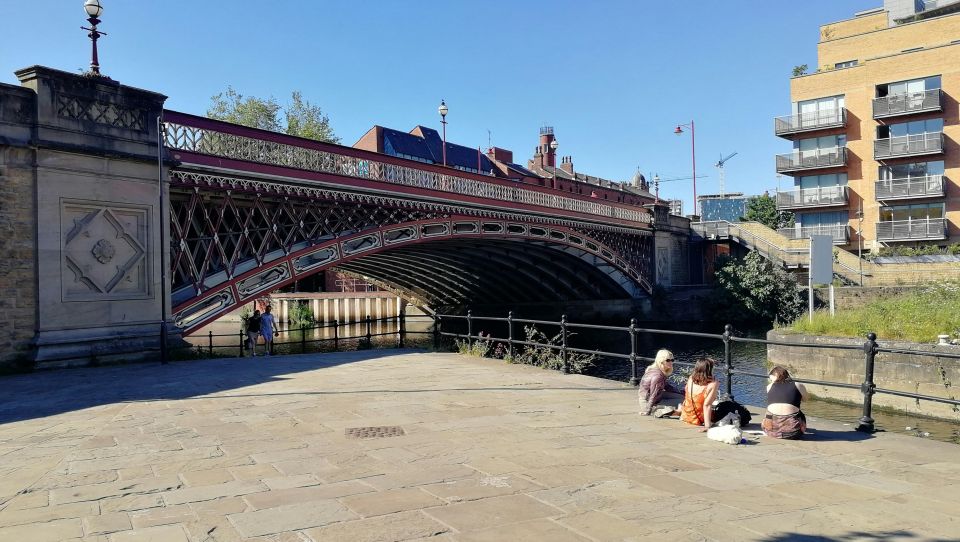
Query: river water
x=746 y=357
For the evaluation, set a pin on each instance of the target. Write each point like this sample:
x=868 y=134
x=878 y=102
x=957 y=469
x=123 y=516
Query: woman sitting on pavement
x=700 y=393
x=784 y=419
x=657 y=395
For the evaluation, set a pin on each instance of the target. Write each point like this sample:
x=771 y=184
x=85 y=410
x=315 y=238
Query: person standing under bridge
x=268 y=329
x=253 y=332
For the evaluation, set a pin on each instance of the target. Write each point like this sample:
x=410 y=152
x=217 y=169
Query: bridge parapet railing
x=206 y=136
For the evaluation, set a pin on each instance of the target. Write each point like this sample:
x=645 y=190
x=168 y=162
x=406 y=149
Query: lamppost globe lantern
x=442 y=109
x=678 y=131
x=554 y=144
x=93 y=8
x=443 y=120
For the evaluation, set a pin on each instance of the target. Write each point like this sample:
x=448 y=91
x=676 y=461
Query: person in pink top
x=658 y=397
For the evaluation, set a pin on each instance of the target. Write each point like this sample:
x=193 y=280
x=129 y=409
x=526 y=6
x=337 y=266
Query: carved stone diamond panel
x=104 y=251
x=75 y=107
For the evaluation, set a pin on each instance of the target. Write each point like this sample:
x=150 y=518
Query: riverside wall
x=913 y=373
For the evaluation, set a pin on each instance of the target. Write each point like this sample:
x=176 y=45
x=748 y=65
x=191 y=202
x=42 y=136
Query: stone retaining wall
x=924 y=374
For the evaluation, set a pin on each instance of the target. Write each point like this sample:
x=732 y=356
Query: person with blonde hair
x=657 y=395
x=701 y=391
x=784 y=419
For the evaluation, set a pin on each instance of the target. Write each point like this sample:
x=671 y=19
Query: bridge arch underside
x=464 y=271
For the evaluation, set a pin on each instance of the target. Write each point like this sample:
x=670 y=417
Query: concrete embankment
x=913 y=373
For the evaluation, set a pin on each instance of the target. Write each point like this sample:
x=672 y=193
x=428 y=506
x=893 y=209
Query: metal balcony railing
x=907 y=104
x=926 y=186
x=820 y=196
x=805 y=122
x=908 y=145
x=839 y=232
x=813 y=159
x=913 y=229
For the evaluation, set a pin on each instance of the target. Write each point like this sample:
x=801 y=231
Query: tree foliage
x=299 y=118
x=755 y=290
x=800 y=70
x=763 y=209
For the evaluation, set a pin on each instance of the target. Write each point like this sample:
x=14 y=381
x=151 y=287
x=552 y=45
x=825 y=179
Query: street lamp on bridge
x=94 y=10
x=443 y=120
x=693 y=151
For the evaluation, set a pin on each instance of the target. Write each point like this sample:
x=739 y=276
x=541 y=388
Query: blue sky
x=614 y=78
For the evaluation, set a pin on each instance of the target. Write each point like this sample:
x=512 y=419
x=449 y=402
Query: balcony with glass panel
x=812 y=159
x=896 y=105
x=817 y=196
x=908 y=145
x=925 y=186
x=912 y=229
x=839 y=232
x=808 y=122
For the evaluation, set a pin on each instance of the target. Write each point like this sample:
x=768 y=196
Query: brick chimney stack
x=546 y=138
x=566 y=164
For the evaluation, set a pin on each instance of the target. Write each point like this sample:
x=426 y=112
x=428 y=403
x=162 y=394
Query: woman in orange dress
x=700 y=393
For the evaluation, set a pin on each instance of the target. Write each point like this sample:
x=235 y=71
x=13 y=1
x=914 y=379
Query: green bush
x=754 y=290
x=299 y=314
x=549 y=356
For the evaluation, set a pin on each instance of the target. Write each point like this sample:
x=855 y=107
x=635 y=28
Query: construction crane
x=719 y=166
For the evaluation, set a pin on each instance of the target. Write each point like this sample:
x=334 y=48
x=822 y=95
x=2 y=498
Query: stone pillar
x=97 y=282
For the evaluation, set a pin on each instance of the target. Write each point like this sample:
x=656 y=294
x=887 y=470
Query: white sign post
x=821 y=266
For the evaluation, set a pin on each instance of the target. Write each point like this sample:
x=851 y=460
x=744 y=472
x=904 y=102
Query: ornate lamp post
x=693 y=151
x=656 y=188
x=94 y=10
x=553 y=147
x=443 y=120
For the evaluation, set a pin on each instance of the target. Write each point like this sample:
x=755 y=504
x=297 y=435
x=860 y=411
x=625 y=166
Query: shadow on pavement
x=852 y=535
x=47 y=393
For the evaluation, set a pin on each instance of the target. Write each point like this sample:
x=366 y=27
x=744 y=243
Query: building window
x=820 y=143
x=915 y=169
x=816 y=181
x=823 y=219
x=820 y=110
x=912 y=86
x=845 y=64
x=919 y=211
x=917 y=127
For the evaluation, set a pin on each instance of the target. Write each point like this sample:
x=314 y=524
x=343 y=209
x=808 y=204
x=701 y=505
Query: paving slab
x=234 y=450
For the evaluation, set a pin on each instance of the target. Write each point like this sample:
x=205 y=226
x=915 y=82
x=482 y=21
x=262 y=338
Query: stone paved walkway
x=259 y=450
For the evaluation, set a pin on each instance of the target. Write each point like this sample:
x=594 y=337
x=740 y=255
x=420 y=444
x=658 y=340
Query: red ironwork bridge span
x=252 y=211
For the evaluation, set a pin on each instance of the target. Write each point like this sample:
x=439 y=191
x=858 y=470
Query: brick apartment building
x=875 y=130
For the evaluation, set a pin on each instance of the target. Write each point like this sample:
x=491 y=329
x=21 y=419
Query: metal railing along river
x=870 y=348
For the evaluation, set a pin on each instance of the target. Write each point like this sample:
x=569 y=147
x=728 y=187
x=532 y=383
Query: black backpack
x=721 y=409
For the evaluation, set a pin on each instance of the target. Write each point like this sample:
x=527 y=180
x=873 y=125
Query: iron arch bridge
x=252 y=211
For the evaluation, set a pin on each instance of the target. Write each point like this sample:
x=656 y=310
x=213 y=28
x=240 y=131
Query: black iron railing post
x=210 y=343
x=563 y=344
x=510 y=334
x=436 y=331
x=369 y=334
x=303 y=338
x=243 y=343
x=868 y=386
x=727 y=363
x=402 y=329
x=634 y=381
x=469 y=329
x=336 y=335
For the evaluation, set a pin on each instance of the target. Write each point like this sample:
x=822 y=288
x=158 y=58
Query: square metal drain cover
x=374 y=432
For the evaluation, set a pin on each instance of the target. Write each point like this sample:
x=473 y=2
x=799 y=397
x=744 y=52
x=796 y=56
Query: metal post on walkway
x=634 y=381
x=303 y=338
x=469 y=329
x=369 y=335
x=210 y=343
x=727 y=363
x=436 y=331
x=563 y=344
x=243 y=343
x=510 y=334
x=402 y=325
x=868 y=386
x=336 y=334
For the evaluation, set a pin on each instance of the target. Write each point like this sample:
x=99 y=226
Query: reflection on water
x=750 y=357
